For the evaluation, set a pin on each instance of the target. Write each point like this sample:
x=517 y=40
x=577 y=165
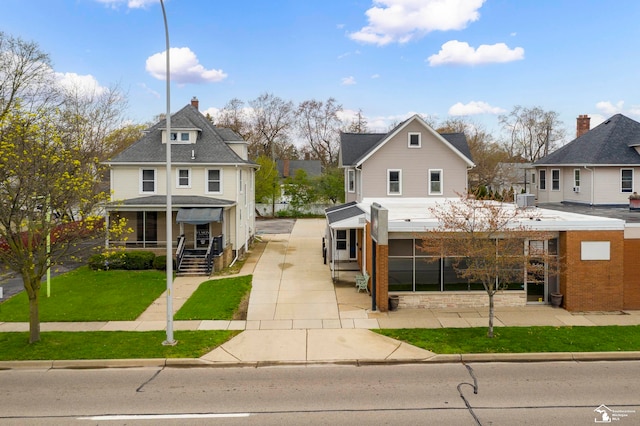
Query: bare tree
x=532 y=133
x=319 y=125
x=488 y=242
x=89 y=115
x=234 y=116
x=26 y=76
x=358 y=124
x=271 y=121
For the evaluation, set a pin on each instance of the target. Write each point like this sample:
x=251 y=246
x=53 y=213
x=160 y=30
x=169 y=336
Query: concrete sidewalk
x=297 y=314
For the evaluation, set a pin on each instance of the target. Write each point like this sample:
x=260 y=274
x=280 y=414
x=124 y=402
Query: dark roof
x=210 y=146
x=356 y=146
x=343 y=212
x=176 y=201
x=610 y=143
x=340 y=206
x=312 y=167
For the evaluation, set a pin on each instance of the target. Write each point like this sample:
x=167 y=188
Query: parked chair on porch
x=361 y=282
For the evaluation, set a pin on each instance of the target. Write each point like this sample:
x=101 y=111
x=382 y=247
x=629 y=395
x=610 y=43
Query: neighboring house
x=519 y=177
x=288 y=168
x=411 y=161
x=600 y=167
x=212 y=187
x=393 y=180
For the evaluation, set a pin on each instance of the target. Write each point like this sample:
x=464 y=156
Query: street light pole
x=169 y=219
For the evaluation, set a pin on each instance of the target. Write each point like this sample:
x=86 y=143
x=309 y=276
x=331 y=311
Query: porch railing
x=179 y=251
x=209 y=256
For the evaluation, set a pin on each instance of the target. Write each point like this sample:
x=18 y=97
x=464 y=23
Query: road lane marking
x=163 y=416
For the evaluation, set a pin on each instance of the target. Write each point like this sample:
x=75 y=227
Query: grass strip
x=521 y=339
x=57 y=345
x=216 y=299
x=87 y=295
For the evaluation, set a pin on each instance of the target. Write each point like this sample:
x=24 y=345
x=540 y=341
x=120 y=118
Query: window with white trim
x=435 y=182
x=341 y=239
x=148 y=181
x=626 y=180
x=183 y=177
x=576 y=178
x=415 y=140
x=394 y=182
x=555 y=180
x=240 y=181
x=214 y=181
x=543 y=180
x=351 y=180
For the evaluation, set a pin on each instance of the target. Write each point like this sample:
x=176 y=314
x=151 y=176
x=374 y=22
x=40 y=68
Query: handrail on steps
x=179 y=251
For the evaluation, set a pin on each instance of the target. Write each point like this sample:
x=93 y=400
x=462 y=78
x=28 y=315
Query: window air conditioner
x=576 y=189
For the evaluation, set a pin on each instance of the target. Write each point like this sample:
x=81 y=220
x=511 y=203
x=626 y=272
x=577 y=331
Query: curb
x=436 y=359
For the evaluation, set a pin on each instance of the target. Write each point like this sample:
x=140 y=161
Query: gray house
x=412 y=161
x=600 y=167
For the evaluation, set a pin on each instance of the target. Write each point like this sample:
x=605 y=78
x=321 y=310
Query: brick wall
x=382 y=277
x=592 y=285
x=467 y=299
x=631 y=274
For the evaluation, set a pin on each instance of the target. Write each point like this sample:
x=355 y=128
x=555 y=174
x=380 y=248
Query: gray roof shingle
x=355 y=146
x=312 y=167
x=610 y=143
x=210 y=146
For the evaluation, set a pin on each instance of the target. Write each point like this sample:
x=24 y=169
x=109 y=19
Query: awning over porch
x=199 y=216
x=345 y=216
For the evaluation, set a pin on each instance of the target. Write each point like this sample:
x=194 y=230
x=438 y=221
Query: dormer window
x=180 y=137
x=414 y=140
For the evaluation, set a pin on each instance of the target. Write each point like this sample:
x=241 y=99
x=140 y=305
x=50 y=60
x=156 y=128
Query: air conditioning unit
x=576 y=189
x=525 y=200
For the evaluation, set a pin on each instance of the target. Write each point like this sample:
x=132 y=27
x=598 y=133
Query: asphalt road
x=560 y=393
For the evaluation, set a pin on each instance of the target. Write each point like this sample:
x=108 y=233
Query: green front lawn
x=216 y=299
x=521 y=339
x=86 y=295
x=110 y=345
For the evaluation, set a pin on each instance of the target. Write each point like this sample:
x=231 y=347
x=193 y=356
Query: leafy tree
x=532 y=132
x=331 y=185
x=267 y=181
x=485 y=153
x=301 y=190
x=46 y=181
x=487 y=243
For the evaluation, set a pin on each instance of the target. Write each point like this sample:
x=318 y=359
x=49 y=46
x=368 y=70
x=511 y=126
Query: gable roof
x=610 y=143
x=356 y=148
x=210 y=146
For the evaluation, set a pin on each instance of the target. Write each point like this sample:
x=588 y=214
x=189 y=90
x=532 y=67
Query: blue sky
x=390 y=58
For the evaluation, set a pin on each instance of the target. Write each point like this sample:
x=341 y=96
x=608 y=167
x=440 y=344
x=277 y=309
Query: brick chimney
x=583 y=125
x=285 y=168
x=195 y=102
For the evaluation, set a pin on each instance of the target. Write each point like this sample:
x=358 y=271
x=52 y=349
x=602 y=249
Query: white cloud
x=607 y=107
x=81 y=85
x=400 y=21
x=460 y=53
x=185 y=67
x=131 y=4
x=348 y=81
x=149 y=90
x=374 y=76
x=474 y=108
